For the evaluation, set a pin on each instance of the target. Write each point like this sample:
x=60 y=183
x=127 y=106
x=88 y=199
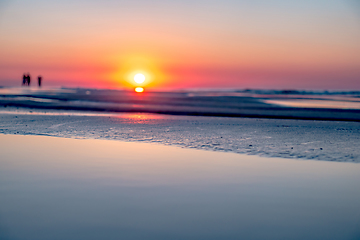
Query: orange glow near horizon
x=139 y=89
x=136 y=70
x=196 y=47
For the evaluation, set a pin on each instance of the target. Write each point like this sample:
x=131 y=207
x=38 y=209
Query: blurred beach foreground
x=106 y=164
x=58 y=188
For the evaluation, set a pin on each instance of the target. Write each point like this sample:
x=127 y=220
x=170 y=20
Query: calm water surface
x=56 y=188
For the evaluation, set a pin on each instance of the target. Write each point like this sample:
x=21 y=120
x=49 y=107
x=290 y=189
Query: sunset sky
x=277 y=44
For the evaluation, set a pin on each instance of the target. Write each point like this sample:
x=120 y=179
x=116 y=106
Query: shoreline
x=295 y=139
x=237 y=104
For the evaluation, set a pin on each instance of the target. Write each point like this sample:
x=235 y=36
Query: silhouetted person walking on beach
x=39 y=80
x=28 y=79
x=24 y=79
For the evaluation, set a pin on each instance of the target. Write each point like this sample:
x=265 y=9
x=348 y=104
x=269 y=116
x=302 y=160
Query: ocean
x=280 y=104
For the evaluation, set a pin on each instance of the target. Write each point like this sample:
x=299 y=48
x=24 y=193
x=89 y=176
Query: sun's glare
x=139 y=89
x=139 y=78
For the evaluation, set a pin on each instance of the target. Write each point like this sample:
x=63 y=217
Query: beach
x=84 y=173
x=318 y=125
x=297 y=139
x=59 y=188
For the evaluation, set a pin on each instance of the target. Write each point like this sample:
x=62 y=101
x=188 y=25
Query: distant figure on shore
x=24 y=80
x=28 y=79
x=39 y=80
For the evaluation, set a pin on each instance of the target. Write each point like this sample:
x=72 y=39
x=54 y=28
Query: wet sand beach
x=298 y=139
x=58 y=188
x=74 y=167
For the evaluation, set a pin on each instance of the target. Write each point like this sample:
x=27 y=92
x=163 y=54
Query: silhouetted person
x=28 y=79
x=39 y=80
x=24 y=80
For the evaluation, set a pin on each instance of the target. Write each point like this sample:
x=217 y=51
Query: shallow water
x=324 y=105
x=56 y=188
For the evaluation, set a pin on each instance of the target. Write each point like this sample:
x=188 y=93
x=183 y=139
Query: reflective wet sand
x=57 y=188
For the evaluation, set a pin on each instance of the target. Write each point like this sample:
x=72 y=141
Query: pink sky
x=182 y=44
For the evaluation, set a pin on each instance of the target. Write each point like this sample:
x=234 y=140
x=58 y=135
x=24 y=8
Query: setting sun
x=139 y=89
x=139 y=78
